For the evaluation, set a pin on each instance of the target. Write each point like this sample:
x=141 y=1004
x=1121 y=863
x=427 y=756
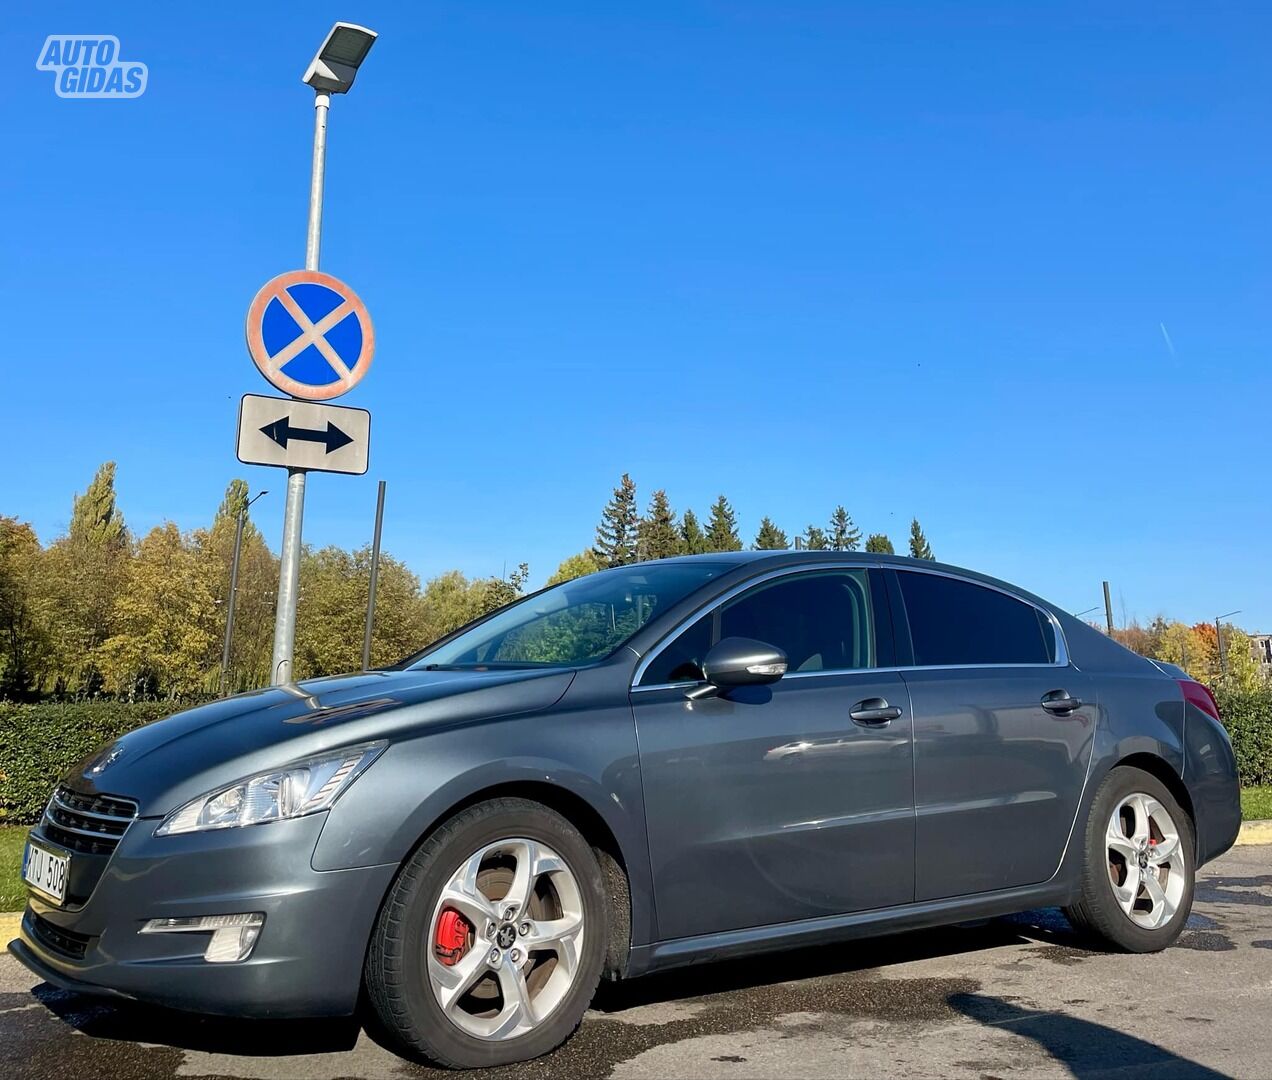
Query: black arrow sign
x=281 y=431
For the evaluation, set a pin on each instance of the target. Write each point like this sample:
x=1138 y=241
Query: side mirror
x=739 y=661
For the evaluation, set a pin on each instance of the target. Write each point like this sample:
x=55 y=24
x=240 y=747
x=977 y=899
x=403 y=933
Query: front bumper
x=306 y=962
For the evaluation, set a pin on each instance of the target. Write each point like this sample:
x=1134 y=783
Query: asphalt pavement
x=1014 y=997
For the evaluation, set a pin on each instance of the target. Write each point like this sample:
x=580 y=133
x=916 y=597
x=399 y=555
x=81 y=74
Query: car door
x=1003 y=730
x=771 y=804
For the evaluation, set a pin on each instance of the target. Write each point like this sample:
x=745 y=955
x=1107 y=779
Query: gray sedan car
x=656 y=765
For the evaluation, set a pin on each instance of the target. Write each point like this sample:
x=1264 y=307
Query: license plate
x=45 y=871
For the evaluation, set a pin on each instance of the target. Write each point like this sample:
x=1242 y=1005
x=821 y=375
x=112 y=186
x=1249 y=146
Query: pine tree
x=844 y=535
x=616 y=535
x=879 y=544
x=770 y=537
x=815 y=539
x=722 y=529
x=95 y=519
x=658 y=538
x=919 y=547
x=693 y=541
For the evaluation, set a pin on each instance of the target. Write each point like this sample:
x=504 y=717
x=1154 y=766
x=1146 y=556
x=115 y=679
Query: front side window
x=576 y=622
x=821 y=621
x=959 y=622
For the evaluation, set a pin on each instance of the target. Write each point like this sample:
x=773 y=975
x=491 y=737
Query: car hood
x=169 y=761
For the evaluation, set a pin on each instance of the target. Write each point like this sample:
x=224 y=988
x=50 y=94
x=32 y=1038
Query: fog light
x=233 y=936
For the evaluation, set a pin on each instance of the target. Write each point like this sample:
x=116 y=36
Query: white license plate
x=45 y=871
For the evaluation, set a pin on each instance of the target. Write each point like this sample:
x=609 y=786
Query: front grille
x=64 y=942
x=89 y=824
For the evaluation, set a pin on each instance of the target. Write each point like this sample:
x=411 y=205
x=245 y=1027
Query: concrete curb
x=9 y=923
x=1255 y=832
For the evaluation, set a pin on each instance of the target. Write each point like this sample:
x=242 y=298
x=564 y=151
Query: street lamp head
x=333 y=70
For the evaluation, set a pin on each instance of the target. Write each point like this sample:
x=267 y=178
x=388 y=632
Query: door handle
x=874 y=711
x=1059 y=703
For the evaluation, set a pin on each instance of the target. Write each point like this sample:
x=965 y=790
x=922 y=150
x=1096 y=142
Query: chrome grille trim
x=88 y=824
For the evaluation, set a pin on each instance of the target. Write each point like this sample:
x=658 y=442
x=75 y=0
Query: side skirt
x=707 y=948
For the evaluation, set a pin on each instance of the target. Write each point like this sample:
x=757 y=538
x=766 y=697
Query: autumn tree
x=575 y=566
x=879 y=544
x=331 y=614
x=616 y=535
x=658 y=536
x=722 y=527
x=919 y=546
x=25 y=651
x=165 y=621
x=843 y=534
x=86 y=570
x=770 y=537
x=693 y=541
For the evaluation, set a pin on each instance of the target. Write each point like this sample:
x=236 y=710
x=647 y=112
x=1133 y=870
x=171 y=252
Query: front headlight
x=303 y=787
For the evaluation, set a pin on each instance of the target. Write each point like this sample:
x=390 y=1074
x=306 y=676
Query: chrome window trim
x=1062 y=648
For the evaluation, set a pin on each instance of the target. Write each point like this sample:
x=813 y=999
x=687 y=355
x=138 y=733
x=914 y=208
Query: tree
x=770 y=537
x=919 y=547
x=815 y=539
x=95 y=519
x=331 y=614
x=616 y=535
x=24 y=639
x=576 y=566
x=165 y=620
x=844 y=535
x=658 y=537
x=1240 y=670
x=879 y=544
x=1177 y=643
x=722 y=528
x=85 y=572
x=693 y=541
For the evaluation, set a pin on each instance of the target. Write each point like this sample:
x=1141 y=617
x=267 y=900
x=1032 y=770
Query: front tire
x=1138 y=865
x=490 y=945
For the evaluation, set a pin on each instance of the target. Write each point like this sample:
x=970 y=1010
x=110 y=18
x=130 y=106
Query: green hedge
x=39 y=743
x=1247 y=714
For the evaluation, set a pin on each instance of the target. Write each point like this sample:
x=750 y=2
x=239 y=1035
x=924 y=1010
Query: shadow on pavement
x=128 y=1022
x=1047 y=927
x=1085 y=1048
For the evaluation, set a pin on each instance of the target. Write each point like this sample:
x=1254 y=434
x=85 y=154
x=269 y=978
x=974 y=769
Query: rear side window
x=958 y=622
x=822 y=621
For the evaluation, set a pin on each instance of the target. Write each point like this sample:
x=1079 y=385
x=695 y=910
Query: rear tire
x=1138 y=865
x=525 y=953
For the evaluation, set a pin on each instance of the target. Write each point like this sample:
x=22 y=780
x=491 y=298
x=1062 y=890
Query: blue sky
x=915 y=258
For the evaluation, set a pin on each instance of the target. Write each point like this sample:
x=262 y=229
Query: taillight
x=1199 y=694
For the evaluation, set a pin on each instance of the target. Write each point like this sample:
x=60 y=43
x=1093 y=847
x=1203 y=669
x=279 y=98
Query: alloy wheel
x=1145 y=861
x=505 y=939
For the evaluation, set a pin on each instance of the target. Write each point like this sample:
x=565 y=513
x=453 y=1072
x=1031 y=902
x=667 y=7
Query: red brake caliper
x=451 y=938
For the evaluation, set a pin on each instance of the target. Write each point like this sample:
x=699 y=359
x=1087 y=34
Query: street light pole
x=233 y=597
x=1219 y=639
x=331 y=71
x=294 y=509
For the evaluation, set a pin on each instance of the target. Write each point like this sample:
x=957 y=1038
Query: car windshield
x=575 y=622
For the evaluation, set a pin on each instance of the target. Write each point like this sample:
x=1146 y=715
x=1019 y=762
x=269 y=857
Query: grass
x=1256 y=804
x=12 y=891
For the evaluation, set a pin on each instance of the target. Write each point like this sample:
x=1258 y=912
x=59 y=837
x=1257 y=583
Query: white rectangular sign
x=303 y=435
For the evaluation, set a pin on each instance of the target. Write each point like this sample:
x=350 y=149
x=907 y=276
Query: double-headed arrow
x=281 y=431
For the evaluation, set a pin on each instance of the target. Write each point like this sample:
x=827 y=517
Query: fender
x=440 y=770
